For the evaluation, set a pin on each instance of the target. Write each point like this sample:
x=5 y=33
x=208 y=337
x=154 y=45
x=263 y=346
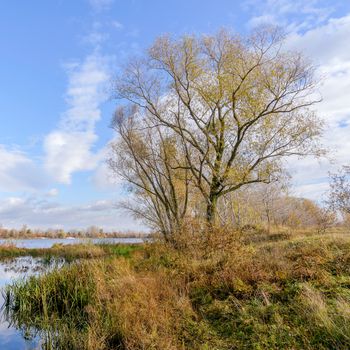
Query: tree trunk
x=211 y=208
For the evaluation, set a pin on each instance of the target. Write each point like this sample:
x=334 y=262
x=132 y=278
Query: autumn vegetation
x=206 y=117
x=277 y=291
x=205 y=126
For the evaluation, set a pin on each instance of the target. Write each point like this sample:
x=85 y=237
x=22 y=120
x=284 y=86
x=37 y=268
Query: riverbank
x=219 y=291
x=69 y=252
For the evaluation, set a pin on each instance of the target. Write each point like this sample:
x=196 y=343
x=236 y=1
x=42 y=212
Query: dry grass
x=148 y=310
x=219 y=290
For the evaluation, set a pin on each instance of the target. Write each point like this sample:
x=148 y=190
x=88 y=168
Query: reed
x=70 y=252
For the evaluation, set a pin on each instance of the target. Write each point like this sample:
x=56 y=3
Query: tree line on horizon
x=91 y=232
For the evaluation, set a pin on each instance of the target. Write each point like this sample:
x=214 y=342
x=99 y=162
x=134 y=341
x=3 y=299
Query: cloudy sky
x=58 y=59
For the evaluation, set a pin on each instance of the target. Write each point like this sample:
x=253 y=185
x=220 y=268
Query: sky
x=58 y=59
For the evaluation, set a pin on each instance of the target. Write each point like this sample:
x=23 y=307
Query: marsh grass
x=217 y=290
x=50 y=303
x=69 y=252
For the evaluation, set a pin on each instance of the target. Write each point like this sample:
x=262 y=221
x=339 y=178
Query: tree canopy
x=203 y=116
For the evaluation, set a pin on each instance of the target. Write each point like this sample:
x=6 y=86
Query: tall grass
x=70 y=252
x=215 y=290
x=52 y=303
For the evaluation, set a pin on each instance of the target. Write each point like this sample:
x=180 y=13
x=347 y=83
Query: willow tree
x=145 y=156
x=236 y=107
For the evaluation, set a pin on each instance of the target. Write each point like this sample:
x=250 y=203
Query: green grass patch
x=70 y=252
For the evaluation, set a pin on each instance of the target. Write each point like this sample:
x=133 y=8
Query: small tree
x=339 y=197
x=234 y=107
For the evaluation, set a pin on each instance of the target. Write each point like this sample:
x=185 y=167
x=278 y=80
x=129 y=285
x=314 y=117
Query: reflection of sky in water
x=11 y=339
x=22 y=267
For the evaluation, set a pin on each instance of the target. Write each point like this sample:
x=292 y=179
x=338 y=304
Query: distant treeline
x=91 y=232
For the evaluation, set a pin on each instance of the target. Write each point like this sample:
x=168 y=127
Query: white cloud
x=53 y=192
x=100 y=5
x=18 y=172
x=325 y=41
x=41 y=213
x=314 y=191
x=117 y=25
x=104 y=179
x=95 y=38
x=97 y=35
x=328 y=46
x=292 y=15
x=69 y=148
x=85 y=91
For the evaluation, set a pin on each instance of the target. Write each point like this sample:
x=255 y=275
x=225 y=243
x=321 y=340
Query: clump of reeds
x=54 y=299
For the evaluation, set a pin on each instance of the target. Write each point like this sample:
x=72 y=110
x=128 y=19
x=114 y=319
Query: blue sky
x=58 y=59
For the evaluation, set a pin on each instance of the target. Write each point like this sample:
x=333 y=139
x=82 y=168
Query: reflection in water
x=48 y=242
x=14 y=334
x=10 y=270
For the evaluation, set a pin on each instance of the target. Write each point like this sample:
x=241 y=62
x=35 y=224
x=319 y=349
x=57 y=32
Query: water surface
x=10 y=270
x=49 y=242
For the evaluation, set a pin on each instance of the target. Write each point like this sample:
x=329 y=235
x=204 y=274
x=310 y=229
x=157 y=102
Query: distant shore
x=26 y=233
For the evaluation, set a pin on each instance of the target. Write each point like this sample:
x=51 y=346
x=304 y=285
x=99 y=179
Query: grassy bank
x=69 y=252
x=222 y=290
